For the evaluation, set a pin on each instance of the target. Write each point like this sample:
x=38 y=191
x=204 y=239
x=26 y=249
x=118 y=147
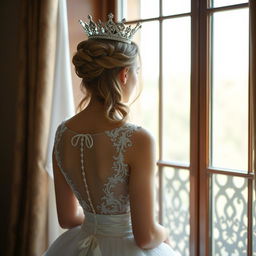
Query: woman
x=104 y=162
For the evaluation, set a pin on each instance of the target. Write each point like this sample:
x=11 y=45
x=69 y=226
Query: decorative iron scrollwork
x=176 y=208
x=229 y=215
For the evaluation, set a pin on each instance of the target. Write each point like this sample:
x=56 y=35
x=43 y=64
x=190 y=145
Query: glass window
x=176 y=89
x=219 y=3
x=230 y=58
x=140 y=9
x=171 y=7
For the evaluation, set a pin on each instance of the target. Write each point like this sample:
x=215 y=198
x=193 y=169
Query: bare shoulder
x=75 y=120
x=143 y=147
x=143 y=137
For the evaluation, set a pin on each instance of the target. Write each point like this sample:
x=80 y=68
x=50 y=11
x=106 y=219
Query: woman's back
x=95 y=166
x=96 y=160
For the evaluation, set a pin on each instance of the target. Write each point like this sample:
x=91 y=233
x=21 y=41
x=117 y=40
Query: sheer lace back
x=95 y=168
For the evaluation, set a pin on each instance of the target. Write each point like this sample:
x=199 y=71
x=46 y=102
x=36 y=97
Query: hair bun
x=85 y=56
x=98 y=62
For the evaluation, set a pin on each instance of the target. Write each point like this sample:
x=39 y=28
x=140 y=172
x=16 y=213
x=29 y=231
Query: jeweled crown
x=109 y=30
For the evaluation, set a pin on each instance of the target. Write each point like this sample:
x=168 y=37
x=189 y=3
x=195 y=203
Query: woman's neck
x=95 y=105
x=95 y=112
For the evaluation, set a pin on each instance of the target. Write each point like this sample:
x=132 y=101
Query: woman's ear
x=123 y=75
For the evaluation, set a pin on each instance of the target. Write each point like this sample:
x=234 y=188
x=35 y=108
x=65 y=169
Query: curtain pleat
x=63 y=107
x=27 y=230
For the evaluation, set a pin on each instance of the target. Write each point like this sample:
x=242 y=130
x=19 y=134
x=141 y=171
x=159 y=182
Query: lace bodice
x=94 y=166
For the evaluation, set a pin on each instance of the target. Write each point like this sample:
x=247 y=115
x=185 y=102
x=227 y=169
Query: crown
x=109 y=30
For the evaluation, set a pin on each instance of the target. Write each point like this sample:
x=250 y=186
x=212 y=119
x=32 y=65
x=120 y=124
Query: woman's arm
x=70 y=214
x=141 y=158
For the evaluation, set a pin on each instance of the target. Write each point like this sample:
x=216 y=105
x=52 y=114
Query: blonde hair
x=98 y=62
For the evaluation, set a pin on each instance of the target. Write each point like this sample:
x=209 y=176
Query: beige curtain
x=28 y=214
x=253 y=75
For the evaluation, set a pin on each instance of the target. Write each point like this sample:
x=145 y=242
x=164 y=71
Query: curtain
x=62 y=99
x=63 y=107
x=27 y=226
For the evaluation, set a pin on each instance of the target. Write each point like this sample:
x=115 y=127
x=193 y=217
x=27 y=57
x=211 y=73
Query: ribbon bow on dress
x=87 y=137
x=89 y=247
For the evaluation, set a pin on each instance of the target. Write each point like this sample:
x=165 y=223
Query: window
x=195 y=57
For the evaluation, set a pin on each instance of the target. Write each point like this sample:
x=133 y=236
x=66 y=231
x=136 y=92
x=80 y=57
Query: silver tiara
x=109 y=30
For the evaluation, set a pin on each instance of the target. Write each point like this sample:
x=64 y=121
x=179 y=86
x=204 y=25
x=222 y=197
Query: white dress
x=101 y=188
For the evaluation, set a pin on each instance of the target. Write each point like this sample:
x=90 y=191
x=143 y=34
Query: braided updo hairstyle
x=97 y=62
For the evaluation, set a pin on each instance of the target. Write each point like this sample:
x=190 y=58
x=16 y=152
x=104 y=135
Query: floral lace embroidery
x=61 y=128
x=112 y=204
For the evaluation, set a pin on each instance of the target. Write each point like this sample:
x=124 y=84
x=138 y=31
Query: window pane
x=218 y=3
x=140 y=9
x=230 y=89
x=171 y=7
x=229 y=215
x=145 y=109
x=176 y=208
x=176 y=89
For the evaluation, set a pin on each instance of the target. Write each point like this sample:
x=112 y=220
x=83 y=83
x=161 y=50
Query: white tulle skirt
x=103 y=235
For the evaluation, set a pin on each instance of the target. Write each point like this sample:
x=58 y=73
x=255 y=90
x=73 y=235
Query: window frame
x=205 y=96
x=200 y=171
